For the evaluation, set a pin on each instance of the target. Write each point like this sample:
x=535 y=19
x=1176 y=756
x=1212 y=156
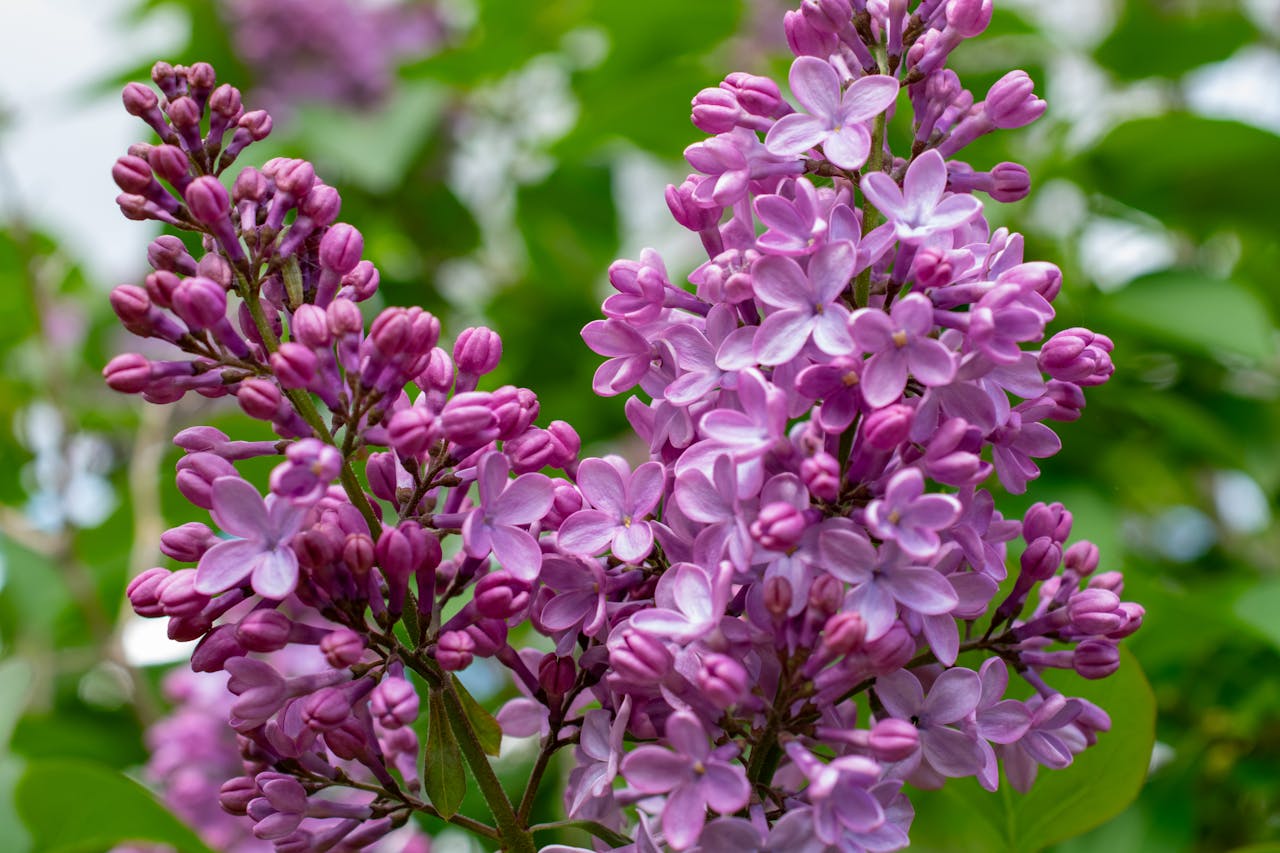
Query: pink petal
x=900 y=693
x=779 y=282
x=654 y=770
x=239 y=509
x=831 y=270
x=517 y=551
x=226 y=565
x=631 y=544
x=586 y=532
x=782 y=335
x=882 y=192
x=848 y=147
x=275 y=573
x=950 y=752
x=953 y=696
x=602 y=485
x=645 y=489
x=816 y=86
x=924 y=184
x=725 y=788
x=525 y=501
x=794 y=134
x=868 y=97
x=923 y=590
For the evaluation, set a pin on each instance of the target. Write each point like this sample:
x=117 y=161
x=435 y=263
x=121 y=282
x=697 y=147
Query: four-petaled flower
x=918 y=209
x=620 y=501
x=808 y=305
x=262 y=553
x=499 y=524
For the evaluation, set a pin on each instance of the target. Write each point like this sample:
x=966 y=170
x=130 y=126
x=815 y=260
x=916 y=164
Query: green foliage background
x=1193 y=409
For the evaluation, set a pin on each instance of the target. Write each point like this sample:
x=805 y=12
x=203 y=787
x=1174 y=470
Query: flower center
x=900 y=338
x=850 y=379
x=895 y=517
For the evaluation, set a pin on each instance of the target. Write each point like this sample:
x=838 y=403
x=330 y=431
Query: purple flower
x=996 y=719
x=835 y=121
x=808 y=305
x=900 y=343
x=838 y=791
x=579 y=605
x=918 y=210
x=499 y=524
x=262 y=552
x=704 y=357
x=691 y=774
x=310 y=466
x=629 y=355
x=1050 y=739
x=689 y=604
x=752 y=432
x=795 y=225
x=952 y=698
x=911 y=518
x=598 y=754
x=882 y=582
x=621 y=500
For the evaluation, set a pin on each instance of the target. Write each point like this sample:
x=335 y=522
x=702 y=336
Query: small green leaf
x=443 y=777
x=1099 y=784
x=70 y=806
x=1197 y=311
x=488 y=730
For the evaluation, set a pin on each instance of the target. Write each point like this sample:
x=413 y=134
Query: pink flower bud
x=340 y=248
x=294 y=365
x=259 y=398
x=196 y=473
x=178 y=596
x=556 y=675
x=321 y=206
x=128 y=373
x=687 y=212
x=394 y=703
x=1095 y=659
x=139 y=99
x=200 y=302
x=132 y=174
x=894 y=740
x=714 y=111
x=236 y=793
x=1041 y=558
x=723 y=680
x=188 y=542
x=326 y=709
x=969 y=18
x=821 y=476
x=208 y=199
x=759 y=96
x=143 y=592
x=779 y=526
x=413 y=431
x=885 y=429
x=844 y=633
x=500 y=595
x=264 y=631
x=1052 y=520
x=342 y=648
x=455 y=650
x=1011 y=101
x=477 y=350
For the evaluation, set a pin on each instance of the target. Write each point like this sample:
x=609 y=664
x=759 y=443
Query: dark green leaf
x=1193 y=310
x=1197 y=173
x=1158 y=38
x=78 y=806
x=487 y=729
x=1099 y=785
x=443 y=776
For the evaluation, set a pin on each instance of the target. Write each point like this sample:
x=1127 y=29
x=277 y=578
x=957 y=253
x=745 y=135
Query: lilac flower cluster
x=812 y=535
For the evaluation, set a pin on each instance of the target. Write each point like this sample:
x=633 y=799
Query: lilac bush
x=754 y=639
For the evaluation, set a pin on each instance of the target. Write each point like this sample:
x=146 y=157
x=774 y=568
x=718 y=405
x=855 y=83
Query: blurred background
x=498 y=155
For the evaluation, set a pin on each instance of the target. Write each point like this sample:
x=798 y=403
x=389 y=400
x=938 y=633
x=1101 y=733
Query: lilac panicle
x=828 y=409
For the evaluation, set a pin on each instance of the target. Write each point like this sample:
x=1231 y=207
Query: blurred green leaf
x=443 y=777
x=1197 y=311
x=1260 y=609
x=72 y=806
x=1099 y=784
x=1158 y=38
x=1197 y=173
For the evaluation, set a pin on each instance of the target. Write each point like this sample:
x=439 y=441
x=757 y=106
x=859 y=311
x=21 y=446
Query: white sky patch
x=1242 y=504
x=62 y=139
x=1114 y=252
x=146 y=643
x=1242 y=88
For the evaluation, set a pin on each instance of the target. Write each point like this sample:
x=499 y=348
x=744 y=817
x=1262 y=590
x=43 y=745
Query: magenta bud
x=1133 y=615
x=825 y=595
x=488 y=635
x=1095 y=659
x=139 y=99
x=779 y=526
x=499 y=595
x=363 y=281
x=161 y=287
x=188 y=542
x=715 y=111
x=295 y=177
x=1113 y=581
x=455 y=650
x=178 y=596
x=891 y=651
x=321 y=205
x=759 y=96
x=777 y=596
x=358 y=553
x=259 y=398
x=556 y=675
x=1082 y=557
x=128 y=373
x=326 y=709
x=264 y=631
x=342 y=648
x=340 y=248
x=1067 y=398
x=226 y=102
x=893 y=740
x=477 y=350
x=1095 y=611
x=200 y=302
x=143 y=592
x=294 y=365
x=131 y=304
x=437 y=376
x=235 y=794
x=806 y=39
x=1041 y=558
x=344 y=318
x=469 y=419
x=250 y=185
x=969 y=18
x=170 y=163
x=169 y=254
x=132 y=174
x=686 y=211
x=885 y=429
x=723 y=680
x=821 y=476
x=208 y=199
x=185 y=114
x=1078 y=356
x=844 y=633
x=1052 y=520
x=196 y=473
x=566 y=501
x=217 y=269
x=258 y=123
x=412 y=431
x=1010 y=182
x=310 y=325
x=1011 y=101
x=639 y=657
x=215 y=649
x=381 y=470
x=394 y=703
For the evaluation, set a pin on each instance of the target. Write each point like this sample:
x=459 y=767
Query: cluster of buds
x=826 y=407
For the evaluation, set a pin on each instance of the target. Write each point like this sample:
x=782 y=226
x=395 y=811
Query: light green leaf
x=1260 y=609
x=1099 y=784
x=71 y=806
x=1196 y=311
x=488 y=730
x=443 y=776
x=15 y=682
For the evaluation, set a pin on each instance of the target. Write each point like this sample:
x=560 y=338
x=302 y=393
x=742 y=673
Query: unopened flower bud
x=1096 y=659
x=894 y=740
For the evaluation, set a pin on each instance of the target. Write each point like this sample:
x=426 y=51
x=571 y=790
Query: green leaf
x=1195 y=311
x=443 y=776
x=15 y=682
x=79 y=806
x=1164 y=39
x=488 y=730
x=1260 y=609
x=1099 y=784
x=1197 y=173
